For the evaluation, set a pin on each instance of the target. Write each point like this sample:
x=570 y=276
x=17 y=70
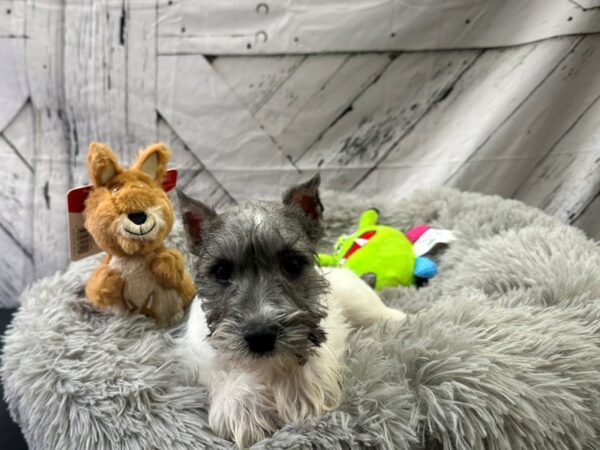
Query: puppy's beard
x=296 y=343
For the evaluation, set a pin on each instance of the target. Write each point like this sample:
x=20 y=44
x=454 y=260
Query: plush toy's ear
x=102 y=164
x=368 y=218
x=153 y=161
x=196 y=220
x=305 y=196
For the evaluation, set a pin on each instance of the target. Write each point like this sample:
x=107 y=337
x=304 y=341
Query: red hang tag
x=81 y=243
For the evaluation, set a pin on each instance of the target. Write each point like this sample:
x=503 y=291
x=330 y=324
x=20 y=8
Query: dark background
x=10 y=434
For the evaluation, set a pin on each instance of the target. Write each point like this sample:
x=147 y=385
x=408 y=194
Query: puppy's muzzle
x=261 y=339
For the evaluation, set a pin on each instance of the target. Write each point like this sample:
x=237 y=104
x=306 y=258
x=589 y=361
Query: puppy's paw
x=167 y=267
x=311 y=391
x=243 y=417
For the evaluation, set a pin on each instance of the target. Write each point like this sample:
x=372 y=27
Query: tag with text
x=430 y=239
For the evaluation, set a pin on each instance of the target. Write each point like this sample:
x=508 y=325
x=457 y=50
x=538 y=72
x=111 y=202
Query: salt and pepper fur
x=252 y=395
x=139 y=274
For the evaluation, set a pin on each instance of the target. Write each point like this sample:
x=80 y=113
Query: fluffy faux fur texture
x=503 y=351
x=129 y=215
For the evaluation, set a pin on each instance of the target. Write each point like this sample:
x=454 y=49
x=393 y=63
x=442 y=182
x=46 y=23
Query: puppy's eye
x=116 y=189
x=222 y=271
x=293 y=265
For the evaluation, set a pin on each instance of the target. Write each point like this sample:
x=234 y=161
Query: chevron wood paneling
x=247 y=116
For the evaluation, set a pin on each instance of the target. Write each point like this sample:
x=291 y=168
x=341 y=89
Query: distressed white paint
x=312 y=26
x=291 y=99
x=193 y=177
x=16 y=194
x=140 y=40
x=387 y=112
x=13 y=83
x=204 y=112
x=505 y=159
x=97 y=66
x=20 y=132
x=256 y=80
x=447 y=135
x=16 y=270
x=564 y=181
x=45 y=69
x=589 y=220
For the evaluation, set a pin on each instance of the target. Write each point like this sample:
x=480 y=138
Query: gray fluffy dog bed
x=502 y=352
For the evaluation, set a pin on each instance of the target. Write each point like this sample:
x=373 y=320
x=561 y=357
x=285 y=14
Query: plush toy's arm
x=326 y=260
x=168 y=268
x=105 y=286
x=187 y=290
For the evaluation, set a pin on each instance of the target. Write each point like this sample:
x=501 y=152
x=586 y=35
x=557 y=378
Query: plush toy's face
x=342 y=246
x=128 y=212
x=379 y=250
x=347 y=245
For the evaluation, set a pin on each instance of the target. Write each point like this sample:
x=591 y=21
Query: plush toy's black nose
x=138 y=218
x=261 y=339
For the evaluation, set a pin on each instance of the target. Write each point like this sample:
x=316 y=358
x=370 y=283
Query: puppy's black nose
x=261 y=339
x=138 y=218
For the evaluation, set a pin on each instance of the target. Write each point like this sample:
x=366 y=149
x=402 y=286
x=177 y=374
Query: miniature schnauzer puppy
x=266 y=333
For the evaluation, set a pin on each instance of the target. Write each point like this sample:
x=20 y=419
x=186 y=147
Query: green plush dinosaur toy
x=383 y=256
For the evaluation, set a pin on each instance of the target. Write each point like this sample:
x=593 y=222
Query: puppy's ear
x=196 y=220
x=305 y=197
x=153 y=161
x=102 y=164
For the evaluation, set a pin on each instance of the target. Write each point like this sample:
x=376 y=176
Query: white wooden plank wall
x=380 y=96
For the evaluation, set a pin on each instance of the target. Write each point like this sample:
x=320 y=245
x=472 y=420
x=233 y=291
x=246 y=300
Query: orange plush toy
x=129 y=215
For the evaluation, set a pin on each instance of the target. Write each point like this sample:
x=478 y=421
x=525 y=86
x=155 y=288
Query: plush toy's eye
x=293 y=264
x=340 y=243
x=222 y=271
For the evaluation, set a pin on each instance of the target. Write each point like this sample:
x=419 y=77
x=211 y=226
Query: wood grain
x=308 y=112
x=209 y=118
x=536 y=125
x=95 y=53
x=193 y=178
x=568 y=178
x=384 y=114
x=15 y=272
x=589 y=219
x=237 y=27
x=45 y=69
x=255 y=80
x=141 y=39
x=16 y=196
x=458 y=124
x=13 y=80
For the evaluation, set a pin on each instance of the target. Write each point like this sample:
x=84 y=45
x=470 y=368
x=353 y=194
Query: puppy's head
x=256 y=275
